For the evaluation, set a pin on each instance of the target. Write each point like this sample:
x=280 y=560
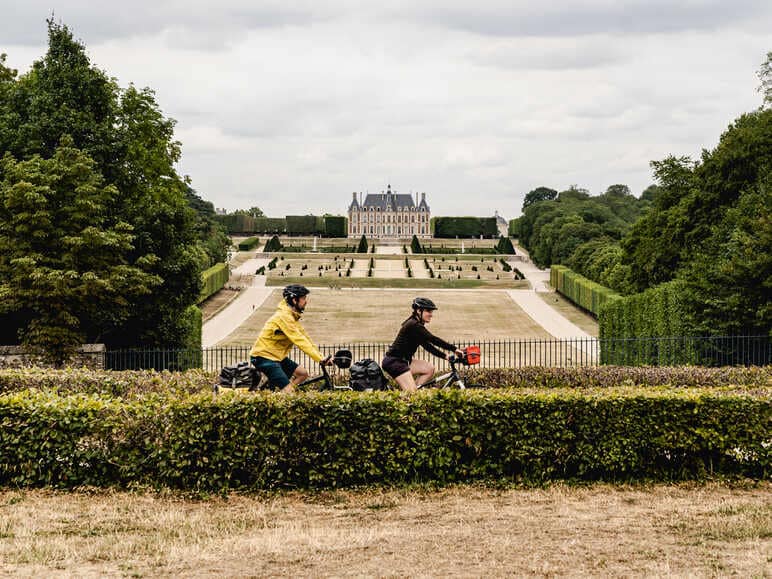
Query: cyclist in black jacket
x=399 y=362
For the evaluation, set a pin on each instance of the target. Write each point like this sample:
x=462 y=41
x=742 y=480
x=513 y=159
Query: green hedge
x=248 y=244
x=582 y=291
x=237 y=223
x=128 y=383
x=305 y=225
x=656 y=312
x=265 y=441
x=270 y=225
x=448 y=227
x=214 y=279
x=335 y=226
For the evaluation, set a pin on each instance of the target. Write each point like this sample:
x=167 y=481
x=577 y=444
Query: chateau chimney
x=423 y=197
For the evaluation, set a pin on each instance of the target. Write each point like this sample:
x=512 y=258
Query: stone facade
x=389 y=215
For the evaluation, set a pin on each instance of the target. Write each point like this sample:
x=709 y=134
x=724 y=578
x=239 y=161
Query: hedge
x=335 y=226
x=214 y=279
x=270 y=225
x=656 y=312
x=133 y=383
x=305 y=225
x=237 y=223
x=249 y=243
x=582 y=291
x=464 y=227
x=326 y=440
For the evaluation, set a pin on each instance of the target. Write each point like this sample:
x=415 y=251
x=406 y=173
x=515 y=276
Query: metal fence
x=580 y=352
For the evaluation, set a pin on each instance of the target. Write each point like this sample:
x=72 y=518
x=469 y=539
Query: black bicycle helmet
x=423 y=304
x=294 y=291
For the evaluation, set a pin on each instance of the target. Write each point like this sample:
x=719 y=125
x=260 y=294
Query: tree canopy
x=129 y=148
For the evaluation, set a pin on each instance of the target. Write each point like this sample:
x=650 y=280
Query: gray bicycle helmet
x=294 y=291
x=423 y=304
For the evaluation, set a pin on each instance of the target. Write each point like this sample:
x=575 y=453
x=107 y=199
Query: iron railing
x=513 y=353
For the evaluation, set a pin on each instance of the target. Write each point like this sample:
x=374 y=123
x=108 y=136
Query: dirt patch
x=464 y=531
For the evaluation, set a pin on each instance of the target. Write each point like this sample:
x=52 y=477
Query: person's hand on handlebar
x=327 y=361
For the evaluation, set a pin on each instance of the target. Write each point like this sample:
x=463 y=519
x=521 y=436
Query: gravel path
x=538 y=310
x=221 y=325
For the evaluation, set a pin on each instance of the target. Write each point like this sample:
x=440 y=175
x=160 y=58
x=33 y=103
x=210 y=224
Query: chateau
x=389 y=215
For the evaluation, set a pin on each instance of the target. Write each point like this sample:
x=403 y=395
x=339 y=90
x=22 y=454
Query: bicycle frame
x=447 y=380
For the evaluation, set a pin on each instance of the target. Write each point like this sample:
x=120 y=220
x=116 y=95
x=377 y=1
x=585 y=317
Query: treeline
x=706 y=226
x=326 y=226
x=556 y=227
x=101 y=240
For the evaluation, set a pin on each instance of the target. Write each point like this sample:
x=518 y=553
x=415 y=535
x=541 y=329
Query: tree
x=765 y=76
x=539 y=194
x=133 y=147
x=210 y=232
x=63 y=260
x=362 y=248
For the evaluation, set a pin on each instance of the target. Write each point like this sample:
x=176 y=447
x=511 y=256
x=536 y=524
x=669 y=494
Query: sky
x=292 y=106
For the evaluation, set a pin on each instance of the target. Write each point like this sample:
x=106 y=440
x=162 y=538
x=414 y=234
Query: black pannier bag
x=242 y=375
x=366 y=375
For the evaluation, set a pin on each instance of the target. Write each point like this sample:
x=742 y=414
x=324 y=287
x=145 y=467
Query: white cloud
x=291 y=107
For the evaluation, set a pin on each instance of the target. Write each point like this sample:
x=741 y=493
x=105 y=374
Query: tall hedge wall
x=335 y=226
x=237 y=223
x=266 y=441
x=214 y=279
x=657 y=312
x=270 y=225
x=582 y=291
x=305 y=225
x=449 y=227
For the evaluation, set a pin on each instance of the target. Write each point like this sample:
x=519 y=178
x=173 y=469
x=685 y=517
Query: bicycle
x=244 y=376
x=452 y=379
x=342 y=359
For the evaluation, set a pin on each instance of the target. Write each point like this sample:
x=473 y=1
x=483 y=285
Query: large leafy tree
x=64 y=260
x=538 y=194
x=133 y=148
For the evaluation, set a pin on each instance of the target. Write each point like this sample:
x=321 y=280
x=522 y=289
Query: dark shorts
x=395 y=366
x=278 y=372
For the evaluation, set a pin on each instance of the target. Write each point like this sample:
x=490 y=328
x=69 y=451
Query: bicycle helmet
x=423 y=304
x=294 y=291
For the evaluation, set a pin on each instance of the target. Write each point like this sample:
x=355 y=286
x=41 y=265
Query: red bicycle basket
x=472 y=355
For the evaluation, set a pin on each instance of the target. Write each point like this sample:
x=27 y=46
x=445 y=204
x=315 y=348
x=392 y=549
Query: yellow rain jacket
x=281 y=331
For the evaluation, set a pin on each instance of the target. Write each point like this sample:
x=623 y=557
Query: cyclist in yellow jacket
x=283 y=330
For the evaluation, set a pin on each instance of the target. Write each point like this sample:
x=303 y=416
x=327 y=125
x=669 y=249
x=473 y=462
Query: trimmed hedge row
x=269 y=441
x=464 y=226
x=130 y=383
x=582 y=291
x=249 y=243
x=214 y=280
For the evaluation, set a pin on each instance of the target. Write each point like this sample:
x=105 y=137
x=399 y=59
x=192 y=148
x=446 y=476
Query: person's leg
x=297 y=374
x=277 y=377
x=422 y=370
x=406 y=382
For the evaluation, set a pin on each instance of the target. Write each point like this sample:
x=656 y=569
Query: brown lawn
x=363 y=315
x=690 y=530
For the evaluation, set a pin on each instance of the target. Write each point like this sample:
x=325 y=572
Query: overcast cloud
x=292 y=106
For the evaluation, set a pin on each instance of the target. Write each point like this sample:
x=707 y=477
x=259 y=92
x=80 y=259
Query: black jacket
x=413 y=334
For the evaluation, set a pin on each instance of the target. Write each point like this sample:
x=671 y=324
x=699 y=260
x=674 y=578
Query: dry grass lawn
x=602 y=530
x=572 y=313
x=346 y=315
